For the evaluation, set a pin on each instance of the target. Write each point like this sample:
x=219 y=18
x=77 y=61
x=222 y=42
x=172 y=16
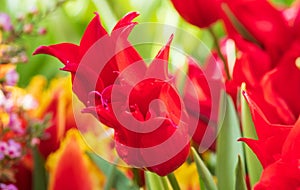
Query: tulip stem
x=218 y=48
x=173 y=181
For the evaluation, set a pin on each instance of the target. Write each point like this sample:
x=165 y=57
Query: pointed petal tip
x=40 y=50
x=64 y=68
x=170 y=39
x=242 y=139
x=126 y=20
x=132 y=15
x=164 y=51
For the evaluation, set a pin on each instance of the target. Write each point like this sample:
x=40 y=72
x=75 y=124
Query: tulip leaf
x=173 y=181
x=253 y=165
x=39 y=172
x=116 y=178
x=153 y=181
x=228 y=147
x=240 y=183
x=204 y=174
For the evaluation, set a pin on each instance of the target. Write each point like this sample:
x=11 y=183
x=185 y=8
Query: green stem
x=153 y=181
x=136 y=177
x=165 y=184
x=110 y=177
x=217 y=46
x=173 y=181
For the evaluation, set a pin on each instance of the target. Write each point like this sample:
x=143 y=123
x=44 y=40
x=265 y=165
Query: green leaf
x=39 y=172
x=203 y=172
x=116 y=177
x=228 y=148
x=253 y=165
x=173 y=181
x=240 y=183
x=155 y=182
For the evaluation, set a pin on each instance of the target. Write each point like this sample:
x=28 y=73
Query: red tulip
x=280 y=89
x=251 y=64
x=70 y=168
x=123 y=94
x=71 y=55
x=207 y=85
x=275 y=106
x=284 y=173
x=270 y=136
x=264 y=24
x=276 y=111
x=200 y=13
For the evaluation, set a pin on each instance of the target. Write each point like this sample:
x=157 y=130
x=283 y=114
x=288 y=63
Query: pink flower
x=5 y=22
x=11 y=77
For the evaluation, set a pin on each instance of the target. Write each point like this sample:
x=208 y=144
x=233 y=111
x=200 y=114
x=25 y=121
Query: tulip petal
x=93 y=32
x=265 y=25
x=67 y=53
x=126 y=20
x=159 y=66
x=76 y=173
x=200 y=13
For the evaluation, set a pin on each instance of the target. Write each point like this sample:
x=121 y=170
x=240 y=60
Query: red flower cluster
x=268 y=61
x=138 y=102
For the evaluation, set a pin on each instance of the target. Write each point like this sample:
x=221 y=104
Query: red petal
x=126 y=20
x=172 y=164
x=265 y=26
x=290 y=150
x=71 y=173
x=200 y=13
x=282 y=89
x=253 y=64
x=259 y=151
x=93 y=32
x=67 y=53
x=279 y=176
x=159 y=66
x=264 y=128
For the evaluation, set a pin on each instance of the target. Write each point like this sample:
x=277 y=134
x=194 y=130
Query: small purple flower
x=5 y=22
x=15 y=124
x=11 y=77
x=3 y=147
x=14 y=149
x=7 y=187
x=2 y=156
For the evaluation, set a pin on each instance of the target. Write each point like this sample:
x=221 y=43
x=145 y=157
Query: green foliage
x=254 y=167
x=203 y=172
x=155 y=182
x=240 y=183
x=114 y=177
x=228 y=148
x=39 y=172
